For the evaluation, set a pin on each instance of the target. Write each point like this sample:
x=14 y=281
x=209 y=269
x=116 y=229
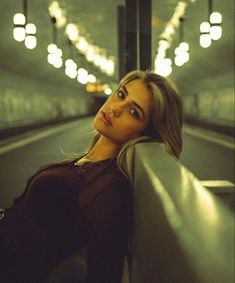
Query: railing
x=182 y=232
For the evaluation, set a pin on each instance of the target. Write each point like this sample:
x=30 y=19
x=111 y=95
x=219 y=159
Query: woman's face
x=126 y=112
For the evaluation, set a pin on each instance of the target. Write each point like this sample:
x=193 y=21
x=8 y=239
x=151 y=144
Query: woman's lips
x=105 y=118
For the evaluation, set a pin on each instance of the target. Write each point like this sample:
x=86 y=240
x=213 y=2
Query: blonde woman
x=87 y=201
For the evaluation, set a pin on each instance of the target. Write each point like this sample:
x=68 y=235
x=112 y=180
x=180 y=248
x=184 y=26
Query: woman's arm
x=109 y=217
x=105 y=258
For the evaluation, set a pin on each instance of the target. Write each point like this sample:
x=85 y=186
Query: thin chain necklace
x=83 y=160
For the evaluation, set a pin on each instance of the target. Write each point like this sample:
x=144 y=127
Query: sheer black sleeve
x=110 y=221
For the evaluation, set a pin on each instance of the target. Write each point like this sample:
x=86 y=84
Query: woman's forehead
x=138 y=87
x=139 y=92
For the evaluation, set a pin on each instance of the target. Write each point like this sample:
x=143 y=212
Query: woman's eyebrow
x=134 y=102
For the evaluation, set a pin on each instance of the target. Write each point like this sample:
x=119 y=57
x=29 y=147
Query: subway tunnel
x=56 y=74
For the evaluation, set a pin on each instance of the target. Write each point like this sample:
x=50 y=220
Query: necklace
x=82 y=160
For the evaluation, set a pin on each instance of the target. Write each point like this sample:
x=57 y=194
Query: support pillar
x=121 y=41
x=131 y=35
x=144 y=34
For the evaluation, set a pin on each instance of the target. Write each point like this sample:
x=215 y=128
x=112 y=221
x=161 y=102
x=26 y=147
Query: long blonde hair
x=166 y=117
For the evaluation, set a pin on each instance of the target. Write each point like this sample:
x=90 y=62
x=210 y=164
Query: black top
x=46 y=224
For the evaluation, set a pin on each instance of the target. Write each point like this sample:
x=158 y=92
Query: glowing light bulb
x=82 y=75
x=204 y=27
x=19 y=19
x=30 y=28
x=51 y=48
x=215 y=32
x=19 y=34
x=178 y=61
x=58 y=62
x=215 y=18
x=30 y=41
x=108 y=91
x=184 y=46
x=91 y=78
x=205 y=40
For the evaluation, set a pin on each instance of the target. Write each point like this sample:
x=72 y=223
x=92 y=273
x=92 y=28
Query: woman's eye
x=121 y=94
x=135 y=113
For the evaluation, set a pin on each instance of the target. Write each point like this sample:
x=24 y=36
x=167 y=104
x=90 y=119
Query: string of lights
x=210 y=30
x=24 y=31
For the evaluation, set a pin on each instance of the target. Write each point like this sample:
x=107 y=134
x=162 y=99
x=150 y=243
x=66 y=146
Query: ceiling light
x=71 y=68
x=82 y=44
x=58 y=62
x=82 y=76
x=30 y=39
x=216 y=28
x=54 y=56
x=19 y=21
x=91 y=78
x=184 y=46
x=58 y=13
x=72 y=32
x=215 y=32
x=90 y=51
x=30 y=28
x=19 y=33
x=163 y=67
x=182 y=51
x=51 y=48
x=108 y=91
x=212 y=29
x=205 y=40
x=178 y=61
x=204 y=27
x=215 y=18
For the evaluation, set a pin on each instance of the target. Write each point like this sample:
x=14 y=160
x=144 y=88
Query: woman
x=87 y=201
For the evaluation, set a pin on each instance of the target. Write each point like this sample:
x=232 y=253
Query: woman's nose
x=116 y=109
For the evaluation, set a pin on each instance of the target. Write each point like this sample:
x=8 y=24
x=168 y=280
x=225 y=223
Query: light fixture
x=19 y=22
x=205 y=39
x=92 y=53
x=30 y=38
x=58 y=13
x=71 y=68
x=215 y=28
x=24 y=31
x=107 y=90
x=82 y=76
x=91 y=78
x=70 y=65
x=72 y=32
x=161 y=66
x=54 y=56
x=211 y=29
x=182 y=51
x=165 y=64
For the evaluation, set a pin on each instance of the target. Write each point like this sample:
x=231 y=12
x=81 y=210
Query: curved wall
x=212 y=100
x=25 y=101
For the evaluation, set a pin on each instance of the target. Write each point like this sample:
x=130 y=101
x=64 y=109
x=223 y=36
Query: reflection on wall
x=213 y=107
x=24 y=102
x=210 y=99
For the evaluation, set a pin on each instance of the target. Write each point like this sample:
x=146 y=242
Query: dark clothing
x=46 y=224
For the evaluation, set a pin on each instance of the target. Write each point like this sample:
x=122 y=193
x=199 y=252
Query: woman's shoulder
x=118 y=184
x=116 y=173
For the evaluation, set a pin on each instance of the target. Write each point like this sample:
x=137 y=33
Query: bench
x=182 y=233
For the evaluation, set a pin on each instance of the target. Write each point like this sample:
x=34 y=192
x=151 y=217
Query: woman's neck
x=103 y=149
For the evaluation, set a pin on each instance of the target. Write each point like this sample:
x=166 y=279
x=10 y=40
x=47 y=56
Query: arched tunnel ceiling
x=98 y=21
